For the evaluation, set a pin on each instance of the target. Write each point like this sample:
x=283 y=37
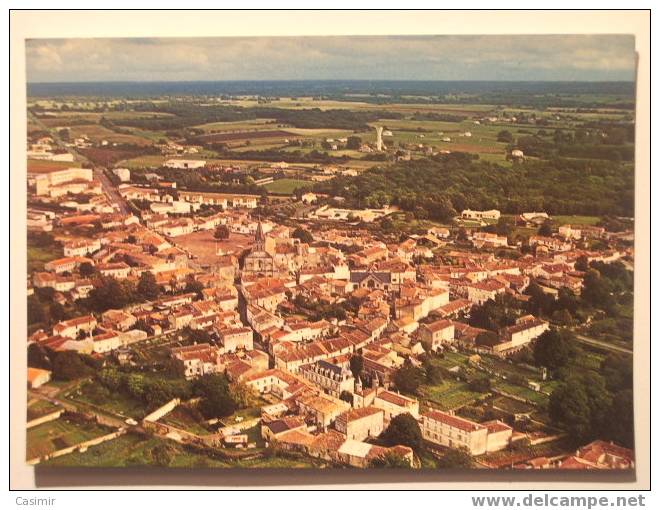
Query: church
x=259 y=262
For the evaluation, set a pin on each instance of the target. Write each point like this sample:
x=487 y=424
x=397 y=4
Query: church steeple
x=259 y=238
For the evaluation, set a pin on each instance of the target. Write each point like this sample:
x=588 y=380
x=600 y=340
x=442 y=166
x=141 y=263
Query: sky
x=504 y=58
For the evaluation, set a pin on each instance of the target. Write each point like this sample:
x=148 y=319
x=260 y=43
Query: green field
x=37 y=408
x=286 y=186
x=95 y=396
x=519 y=391
x=450 y=394
x=184 y=418
x=575 y=220
x=134 y=450
x=58 y=434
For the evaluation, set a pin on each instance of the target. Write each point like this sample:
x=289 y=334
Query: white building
x=492 y=214
x=185 y=164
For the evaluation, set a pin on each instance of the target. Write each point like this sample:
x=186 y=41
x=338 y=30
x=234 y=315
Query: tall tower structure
x=379 y=138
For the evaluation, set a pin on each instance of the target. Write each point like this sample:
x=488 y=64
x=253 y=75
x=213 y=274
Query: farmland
x=286 y=186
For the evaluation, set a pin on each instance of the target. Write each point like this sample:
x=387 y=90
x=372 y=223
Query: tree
x=86 y=269
x=582 y=263
x=487 y=338
x=70 y=365
x=617 y=370
x=504 y=226
x=505 y=136
x=480 y=384
x=357 y=364
x=569 y=408
x=581 y=405
x=408 y=378
x=303 y=235
x=553 y=349
x=215 y=398
x=243 y=395
x=346 y=396
x=110 y=293
x=546 y=228
x=195 y=286
x=221 y=232
x=39 y=357
x=147 y=287
x=57 y=311
x=433 y=373
x=597 y=291
x=353 y=143
x=456 y=459
x=390 y=460
x=622 y=430
x=37 y=312
x=403 y=430
x=161 y=455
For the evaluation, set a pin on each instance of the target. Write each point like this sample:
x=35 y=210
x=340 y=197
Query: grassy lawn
x=37 y=408
x=519 y=391
x=134 y=450
x=512 y=406
x=449 y=394
x=61 y=433
x=249 y=413
x=115 y=403
x=37 y=256
x=184 y=418
x=287 y=186
x=576 y=220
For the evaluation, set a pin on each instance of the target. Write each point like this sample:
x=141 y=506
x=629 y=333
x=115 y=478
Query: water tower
x=379 y=138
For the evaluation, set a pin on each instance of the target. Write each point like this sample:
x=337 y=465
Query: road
x=113 y=195
x=99 y=172
x=603 y=345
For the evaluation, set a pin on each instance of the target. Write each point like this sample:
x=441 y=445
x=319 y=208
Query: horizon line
x=325 y=80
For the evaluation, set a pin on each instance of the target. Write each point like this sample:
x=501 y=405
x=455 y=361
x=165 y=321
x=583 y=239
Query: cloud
x=599 y=57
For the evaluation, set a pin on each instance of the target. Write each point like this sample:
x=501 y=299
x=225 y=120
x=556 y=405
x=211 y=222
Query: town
x=252 y=293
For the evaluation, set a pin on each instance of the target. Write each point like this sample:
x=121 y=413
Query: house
x=185 y=164
x=600 y=455
x=124 y=174
x=452 y=431
x=118 y=270
x=196 y=360
x=489 y=240
x=361 y=455
x=81 y=247
x=73 y=327
x=66 y=264
x=321 y=409
x=234 y=339
x=394 y=404
x=37 y=377
x=106 y=341
x=437 y=333
x=526 y=329
x=481 y=292
x=332 y=378
x=492 y=214
x=308 y=198
x=359 y=424
x=570 y=232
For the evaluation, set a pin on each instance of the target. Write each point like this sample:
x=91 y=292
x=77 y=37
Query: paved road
x=111 y=191
x=602 y=345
